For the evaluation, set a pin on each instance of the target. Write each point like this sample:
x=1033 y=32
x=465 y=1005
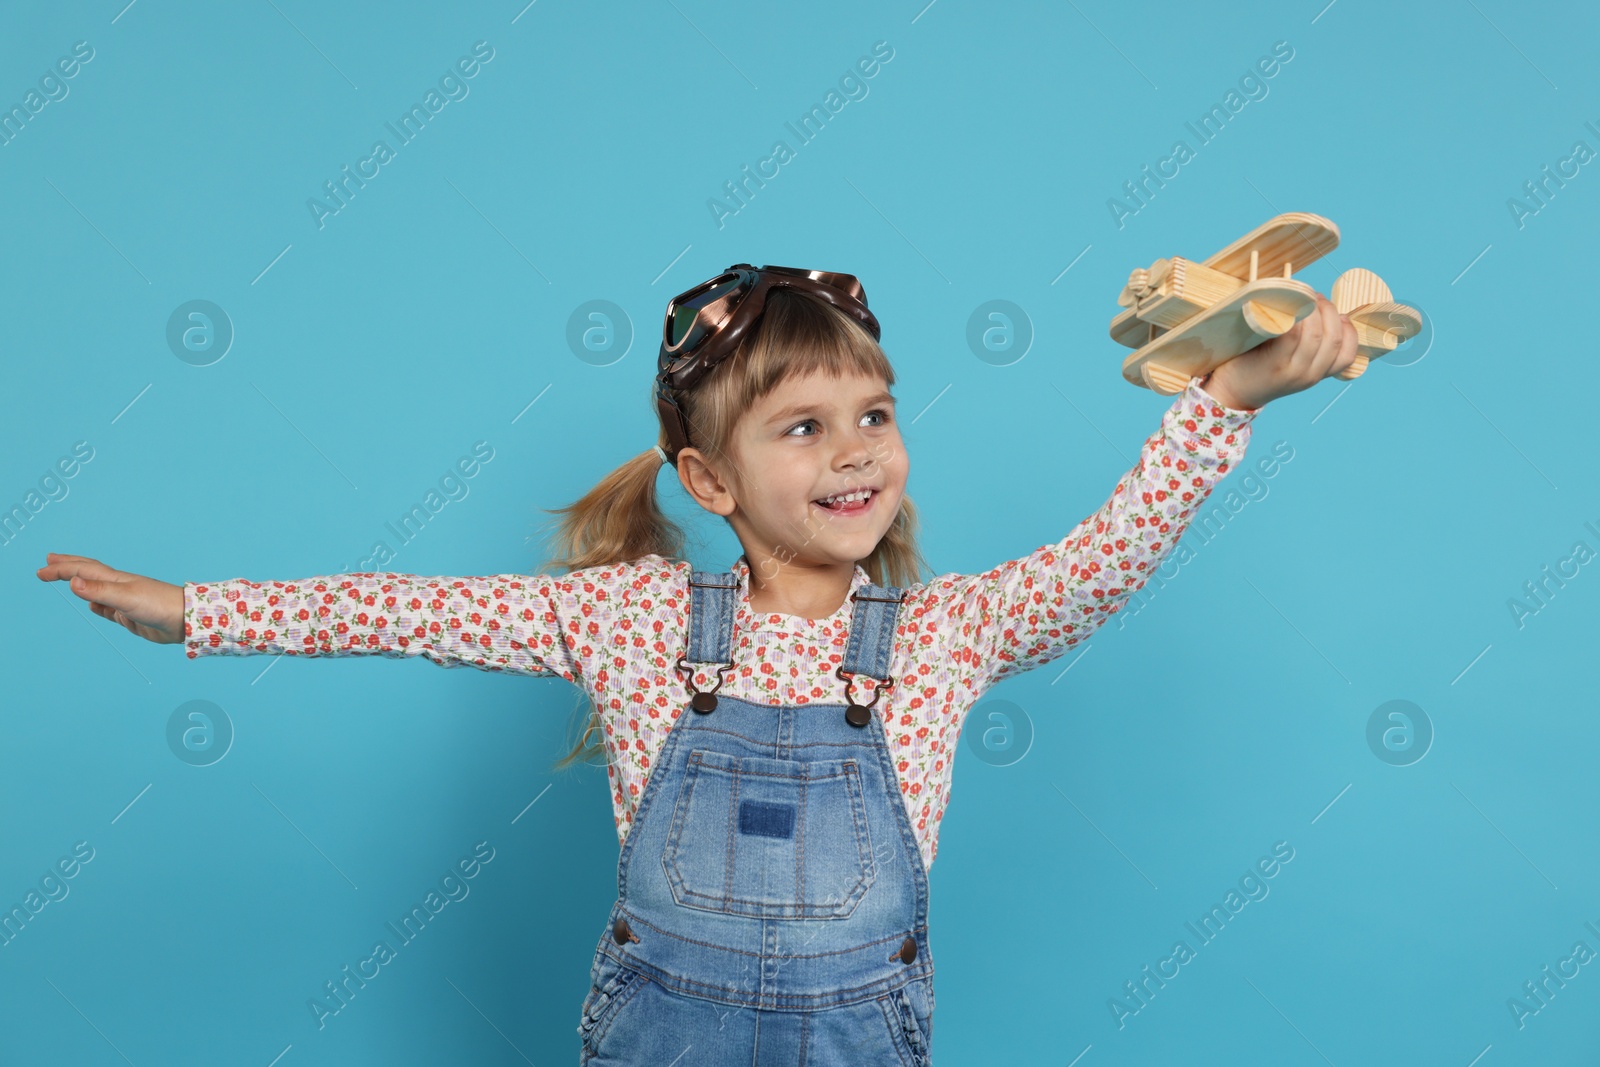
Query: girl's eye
x=809 y=422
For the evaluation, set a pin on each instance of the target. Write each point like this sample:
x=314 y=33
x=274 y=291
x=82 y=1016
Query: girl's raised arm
x=1028 y=611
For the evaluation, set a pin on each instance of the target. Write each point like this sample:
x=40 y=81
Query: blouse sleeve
x=1029 y=611
x=520 y=624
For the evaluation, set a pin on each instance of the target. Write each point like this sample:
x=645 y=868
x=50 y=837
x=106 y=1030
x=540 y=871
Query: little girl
x=772 y=889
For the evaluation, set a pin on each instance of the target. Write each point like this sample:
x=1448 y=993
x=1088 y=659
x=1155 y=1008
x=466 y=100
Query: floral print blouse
x=617 y=630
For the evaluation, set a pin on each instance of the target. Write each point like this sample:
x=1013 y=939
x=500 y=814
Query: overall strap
x=872 y=630
x=713 y=599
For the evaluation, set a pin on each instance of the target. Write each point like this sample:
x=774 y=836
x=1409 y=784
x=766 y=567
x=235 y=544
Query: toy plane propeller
x=1186 y=318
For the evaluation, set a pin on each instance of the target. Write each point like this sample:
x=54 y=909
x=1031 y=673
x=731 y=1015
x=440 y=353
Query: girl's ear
x=702 y=482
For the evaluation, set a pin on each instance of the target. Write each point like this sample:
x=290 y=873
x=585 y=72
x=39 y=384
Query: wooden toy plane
x=1185 y=318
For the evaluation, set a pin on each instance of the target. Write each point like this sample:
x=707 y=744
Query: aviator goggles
x=704 y=326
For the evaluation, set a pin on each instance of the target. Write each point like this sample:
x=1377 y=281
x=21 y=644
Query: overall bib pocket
x=769 y=838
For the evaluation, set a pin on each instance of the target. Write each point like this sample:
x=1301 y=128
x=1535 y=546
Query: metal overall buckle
x=861 y=714
x=702 y=701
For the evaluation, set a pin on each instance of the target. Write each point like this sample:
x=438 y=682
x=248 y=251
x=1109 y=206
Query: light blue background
x=1228 y=713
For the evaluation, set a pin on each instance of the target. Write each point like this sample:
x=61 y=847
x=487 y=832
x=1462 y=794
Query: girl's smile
x=849 y=505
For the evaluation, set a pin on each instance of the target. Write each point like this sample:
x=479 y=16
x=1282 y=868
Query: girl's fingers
x=51 y=558
x=1349 y=347
x=1339 y=335
x=1332 y=337
x=95 y=582
x=102 y=591
x=79 y=567
x=1332 y=325
x=64 y=566
x=1310 y=335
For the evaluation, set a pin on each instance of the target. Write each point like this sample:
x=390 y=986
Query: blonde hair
x=620 y=519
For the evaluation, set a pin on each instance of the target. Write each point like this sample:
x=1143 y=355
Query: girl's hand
x=150 y=608
x=1318 y=346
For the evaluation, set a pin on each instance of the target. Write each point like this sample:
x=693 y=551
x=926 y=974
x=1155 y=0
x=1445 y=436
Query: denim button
x=908 y=951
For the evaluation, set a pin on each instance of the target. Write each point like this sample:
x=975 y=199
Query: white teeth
x=860 y=494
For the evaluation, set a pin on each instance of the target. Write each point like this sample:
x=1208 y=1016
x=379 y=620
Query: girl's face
x=812 y=438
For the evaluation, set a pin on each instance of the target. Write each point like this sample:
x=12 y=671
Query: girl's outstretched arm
x=520 y=624
x=1028 y=611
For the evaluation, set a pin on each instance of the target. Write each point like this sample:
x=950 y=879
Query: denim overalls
x=772 y=904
